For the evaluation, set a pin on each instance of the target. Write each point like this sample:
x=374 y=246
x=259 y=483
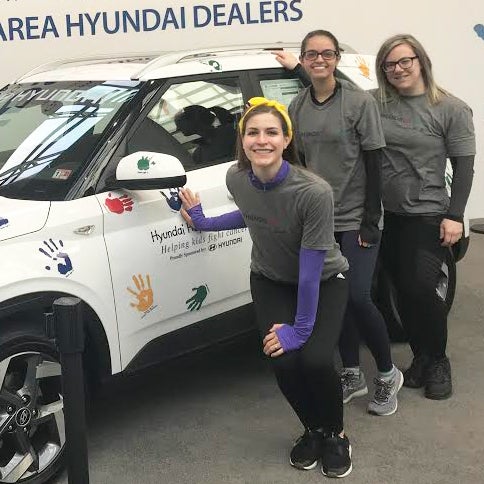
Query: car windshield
x=48 y=133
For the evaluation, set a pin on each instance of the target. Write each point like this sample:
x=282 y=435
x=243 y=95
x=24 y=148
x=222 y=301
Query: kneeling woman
x=297 y=278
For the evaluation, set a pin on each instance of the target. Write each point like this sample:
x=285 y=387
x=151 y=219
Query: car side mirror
x=148 y=170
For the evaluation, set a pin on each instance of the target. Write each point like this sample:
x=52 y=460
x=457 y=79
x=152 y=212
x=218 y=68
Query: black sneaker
x=307 y=450
x=414 y=377
x=336 y=458
x=438 y=380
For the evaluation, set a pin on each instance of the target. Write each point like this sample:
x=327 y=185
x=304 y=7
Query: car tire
x=32 y=433
x=385 y=296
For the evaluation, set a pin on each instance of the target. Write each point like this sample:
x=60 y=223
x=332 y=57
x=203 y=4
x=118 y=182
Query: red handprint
x=119 y=204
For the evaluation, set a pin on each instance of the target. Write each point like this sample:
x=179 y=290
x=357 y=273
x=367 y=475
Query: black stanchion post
x=69 y=335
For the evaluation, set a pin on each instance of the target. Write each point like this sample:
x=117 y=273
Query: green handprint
x=143 y=163
x=195 y=302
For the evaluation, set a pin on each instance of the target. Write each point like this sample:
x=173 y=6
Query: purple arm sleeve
x=231 y=220
x=311 y=263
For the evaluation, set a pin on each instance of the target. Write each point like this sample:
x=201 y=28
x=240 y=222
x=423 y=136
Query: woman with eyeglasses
x=423 y=126
x=297 y=278
x=340 y=138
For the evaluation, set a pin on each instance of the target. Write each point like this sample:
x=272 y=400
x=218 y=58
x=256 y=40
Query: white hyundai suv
x=92 y=153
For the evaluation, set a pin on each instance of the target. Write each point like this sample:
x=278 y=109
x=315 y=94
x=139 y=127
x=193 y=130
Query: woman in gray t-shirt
x=339 y=135
x=423 y=126
x=297 y=277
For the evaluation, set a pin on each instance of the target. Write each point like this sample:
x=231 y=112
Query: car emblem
x=23 y=417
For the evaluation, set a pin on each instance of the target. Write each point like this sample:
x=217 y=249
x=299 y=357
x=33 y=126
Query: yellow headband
x=262 y=101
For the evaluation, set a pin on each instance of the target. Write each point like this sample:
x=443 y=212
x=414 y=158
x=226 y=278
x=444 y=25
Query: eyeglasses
x=327 y=54
x=404 y=63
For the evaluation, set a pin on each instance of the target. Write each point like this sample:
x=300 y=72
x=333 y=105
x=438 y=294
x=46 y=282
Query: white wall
x=445 y=28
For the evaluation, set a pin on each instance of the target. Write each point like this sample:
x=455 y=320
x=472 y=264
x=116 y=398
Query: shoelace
x=339 y=447
x=438 y=373
x=347 y=378
x=383 y=390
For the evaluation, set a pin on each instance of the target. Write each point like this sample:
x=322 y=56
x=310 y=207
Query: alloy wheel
x=32 y=433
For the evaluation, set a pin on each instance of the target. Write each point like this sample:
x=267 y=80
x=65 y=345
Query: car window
x=195 y=121
x=277 y=84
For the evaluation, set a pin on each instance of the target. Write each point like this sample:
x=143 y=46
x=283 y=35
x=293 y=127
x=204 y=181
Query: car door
x=166 y=275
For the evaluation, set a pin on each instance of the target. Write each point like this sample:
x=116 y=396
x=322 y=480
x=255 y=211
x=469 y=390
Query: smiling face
x=409 y=81
x=319 y=69
x=263 y=143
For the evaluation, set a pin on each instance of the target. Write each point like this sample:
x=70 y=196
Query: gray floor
x=219 y=418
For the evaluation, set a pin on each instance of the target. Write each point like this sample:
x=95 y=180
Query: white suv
x=92 y=153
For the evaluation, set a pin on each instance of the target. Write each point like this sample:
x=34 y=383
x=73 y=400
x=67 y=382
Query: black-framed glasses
x=404 y=63
x=327 y=54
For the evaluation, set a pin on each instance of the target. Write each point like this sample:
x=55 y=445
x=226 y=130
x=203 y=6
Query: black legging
x=307 y=377
x=413 y=256
x=362 y=318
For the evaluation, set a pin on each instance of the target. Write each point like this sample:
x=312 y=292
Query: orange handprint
x=144 y=294
x=363 y=67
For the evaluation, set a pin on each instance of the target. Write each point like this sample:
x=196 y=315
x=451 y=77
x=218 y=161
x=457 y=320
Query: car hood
x=20 y=217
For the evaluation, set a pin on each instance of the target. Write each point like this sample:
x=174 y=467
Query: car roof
x=159 y=65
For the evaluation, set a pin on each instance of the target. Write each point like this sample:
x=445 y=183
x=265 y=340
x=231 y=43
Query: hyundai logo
x=23 y=417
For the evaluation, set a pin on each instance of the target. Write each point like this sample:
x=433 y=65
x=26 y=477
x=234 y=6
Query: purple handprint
x=64 y=267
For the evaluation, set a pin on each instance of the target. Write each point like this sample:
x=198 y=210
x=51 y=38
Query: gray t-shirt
x=333 y=136
x=296 y=213
x=419 y=138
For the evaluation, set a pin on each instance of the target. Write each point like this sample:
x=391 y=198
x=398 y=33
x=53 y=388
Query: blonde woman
x=423 y=126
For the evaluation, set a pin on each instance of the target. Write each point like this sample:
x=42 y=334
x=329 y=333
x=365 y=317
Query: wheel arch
x=26 y=312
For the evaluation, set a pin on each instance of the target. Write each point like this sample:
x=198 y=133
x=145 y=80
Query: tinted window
x=196 y=121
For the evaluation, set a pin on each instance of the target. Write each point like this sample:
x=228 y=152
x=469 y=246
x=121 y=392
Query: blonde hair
x=386 y=91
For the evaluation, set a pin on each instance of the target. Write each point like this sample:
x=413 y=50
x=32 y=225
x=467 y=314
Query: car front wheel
x=32 y=436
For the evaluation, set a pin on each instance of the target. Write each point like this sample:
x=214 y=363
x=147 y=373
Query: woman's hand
x=272 y=346
x=450 y=232
x=189 y=200
x=286 y=59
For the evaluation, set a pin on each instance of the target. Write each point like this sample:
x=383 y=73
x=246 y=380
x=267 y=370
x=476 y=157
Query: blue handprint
x=479 y=30
x=3 y=221
x=174 y=201
x=195 y=302
x=56 y=253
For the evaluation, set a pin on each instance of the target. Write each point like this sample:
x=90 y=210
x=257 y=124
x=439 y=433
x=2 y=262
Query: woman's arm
x=284 y=337
x=290 y=62
x=193 y=214
x=451 y=227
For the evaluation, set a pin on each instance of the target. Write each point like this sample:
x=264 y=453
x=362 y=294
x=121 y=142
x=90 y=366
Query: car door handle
x=86 y=230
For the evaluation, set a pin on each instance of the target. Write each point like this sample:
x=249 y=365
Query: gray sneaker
x=385 y=401
x=354 y=385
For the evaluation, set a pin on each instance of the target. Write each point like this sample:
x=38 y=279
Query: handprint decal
x=3 y=222
x=174 y=201
x=363 y=67
x=479 y=30
x=55 y=253
x=195 y=302
x=143 y=293
x=143 y=163
x=119 y=204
